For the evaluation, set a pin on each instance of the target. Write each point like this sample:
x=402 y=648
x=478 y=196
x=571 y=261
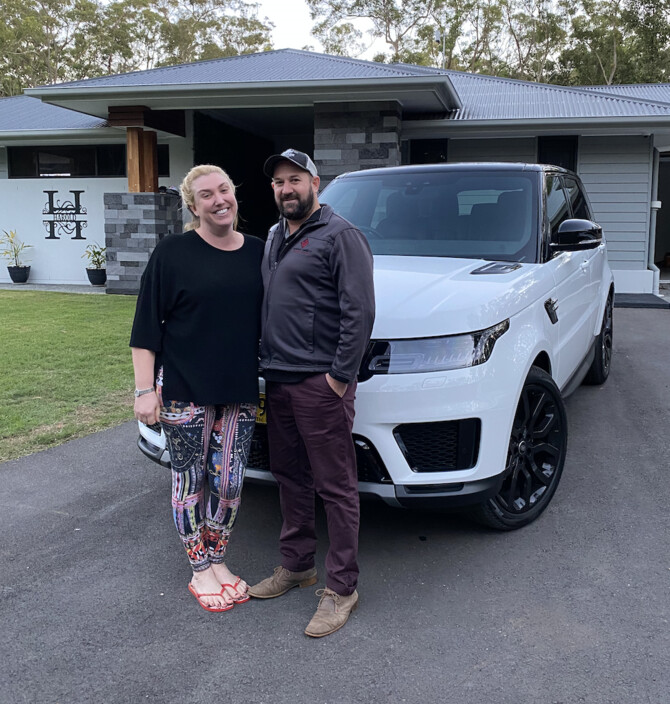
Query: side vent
x=551 y=308
x=497 y=268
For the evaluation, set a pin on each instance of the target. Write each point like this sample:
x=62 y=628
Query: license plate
x=261 y=412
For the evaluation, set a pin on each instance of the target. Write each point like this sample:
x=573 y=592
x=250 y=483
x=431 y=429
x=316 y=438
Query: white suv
x=494 y=301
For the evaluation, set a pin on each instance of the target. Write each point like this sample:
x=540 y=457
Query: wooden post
x=134 y=158
x=149 y=177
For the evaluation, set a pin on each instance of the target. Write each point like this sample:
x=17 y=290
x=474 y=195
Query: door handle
x=584 y=266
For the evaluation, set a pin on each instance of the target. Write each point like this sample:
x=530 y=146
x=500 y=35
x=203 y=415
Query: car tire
x=600 y=367
x=535 y=458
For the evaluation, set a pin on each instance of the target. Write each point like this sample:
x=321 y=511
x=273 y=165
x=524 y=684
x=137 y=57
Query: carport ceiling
x=267 y=121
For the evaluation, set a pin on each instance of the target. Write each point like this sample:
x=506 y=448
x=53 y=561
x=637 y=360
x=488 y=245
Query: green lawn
x=65 y=367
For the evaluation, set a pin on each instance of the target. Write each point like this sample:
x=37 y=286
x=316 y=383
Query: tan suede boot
x=331 y=613
x=281 y=581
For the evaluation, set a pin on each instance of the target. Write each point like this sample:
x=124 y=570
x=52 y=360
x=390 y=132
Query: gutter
x=530 y=125
x=60 y=133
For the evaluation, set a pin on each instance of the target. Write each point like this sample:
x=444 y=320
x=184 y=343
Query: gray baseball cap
x=300 y=159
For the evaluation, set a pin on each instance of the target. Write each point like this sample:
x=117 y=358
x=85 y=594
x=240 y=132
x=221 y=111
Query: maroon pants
x=311 y=451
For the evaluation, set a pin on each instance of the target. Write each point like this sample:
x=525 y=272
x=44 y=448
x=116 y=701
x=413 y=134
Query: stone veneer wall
x=354 y=136
x=134 y=223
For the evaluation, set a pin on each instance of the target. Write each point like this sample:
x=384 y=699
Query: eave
x=415 y=94
x=588 y=125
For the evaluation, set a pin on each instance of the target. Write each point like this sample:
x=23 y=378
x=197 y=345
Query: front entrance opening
x=239 y=141
x=662 y=249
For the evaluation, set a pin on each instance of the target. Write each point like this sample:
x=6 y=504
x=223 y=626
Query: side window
x=557 y=204
x=580 y=209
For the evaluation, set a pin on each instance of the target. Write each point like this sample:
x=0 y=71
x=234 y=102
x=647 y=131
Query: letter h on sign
x=65 y=218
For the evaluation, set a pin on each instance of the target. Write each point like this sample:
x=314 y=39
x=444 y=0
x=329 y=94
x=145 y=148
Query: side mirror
x=575 y=235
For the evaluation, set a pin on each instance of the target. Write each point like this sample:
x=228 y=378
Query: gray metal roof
x=492 y=98
x=299 y=77
x=22 y=113
x=655 y=92
x=282 y=66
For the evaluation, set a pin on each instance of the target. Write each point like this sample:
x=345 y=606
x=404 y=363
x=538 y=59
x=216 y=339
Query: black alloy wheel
x=600 y=367
x=535 y=456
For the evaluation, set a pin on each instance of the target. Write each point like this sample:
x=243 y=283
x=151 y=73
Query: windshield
x=473 y=215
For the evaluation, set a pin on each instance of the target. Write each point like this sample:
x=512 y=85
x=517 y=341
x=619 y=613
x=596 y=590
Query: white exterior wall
x=617 y=174
x=54 y=261
x=22 y=201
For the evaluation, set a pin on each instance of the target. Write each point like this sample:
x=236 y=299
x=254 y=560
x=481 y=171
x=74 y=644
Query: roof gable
x=269 y=66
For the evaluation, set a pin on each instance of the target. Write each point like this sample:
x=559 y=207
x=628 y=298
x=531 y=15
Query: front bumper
x=435 y=440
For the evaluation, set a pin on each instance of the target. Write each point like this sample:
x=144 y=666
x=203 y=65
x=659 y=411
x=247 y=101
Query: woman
x=195 y=354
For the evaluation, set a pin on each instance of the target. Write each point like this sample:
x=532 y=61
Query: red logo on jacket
x=304 y=243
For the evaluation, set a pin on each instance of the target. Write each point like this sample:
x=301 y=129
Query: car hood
x=432 y=296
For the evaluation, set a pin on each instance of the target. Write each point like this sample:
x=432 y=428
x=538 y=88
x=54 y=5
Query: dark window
x=22 y=162
x=558 y=151
x=111 y=160
x=57 y=161
x=557 y=204
x=580 y=209
x=428 y=151
x=76 y=161
x=163 y=159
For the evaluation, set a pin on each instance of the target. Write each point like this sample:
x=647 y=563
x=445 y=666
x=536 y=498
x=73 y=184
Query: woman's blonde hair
x=188 y=196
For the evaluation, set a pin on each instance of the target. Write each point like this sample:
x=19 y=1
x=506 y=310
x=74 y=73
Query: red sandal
x=213 y=609
x=239 y=600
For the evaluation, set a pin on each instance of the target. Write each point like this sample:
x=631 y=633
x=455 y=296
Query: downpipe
x=655 y=207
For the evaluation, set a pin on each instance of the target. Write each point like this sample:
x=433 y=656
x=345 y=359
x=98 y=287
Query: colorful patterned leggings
x=207 y=443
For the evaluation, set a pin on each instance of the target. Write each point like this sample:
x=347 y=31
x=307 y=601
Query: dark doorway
x=662 y=250
x=559 y=151
x=427 y=151
x=242 y=155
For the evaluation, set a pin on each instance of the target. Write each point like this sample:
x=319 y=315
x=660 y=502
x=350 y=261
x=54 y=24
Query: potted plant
x=96 y=272
x=11 y=250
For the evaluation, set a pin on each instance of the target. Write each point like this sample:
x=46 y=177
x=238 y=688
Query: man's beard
x=296 y=208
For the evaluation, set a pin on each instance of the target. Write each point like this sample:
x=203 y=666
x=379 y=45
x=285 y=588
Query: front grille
x=369 y=464
x=446 y=446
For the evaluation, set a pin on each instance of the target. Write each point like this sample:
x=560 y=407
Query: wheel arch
x=543 y=362
x=608 y=290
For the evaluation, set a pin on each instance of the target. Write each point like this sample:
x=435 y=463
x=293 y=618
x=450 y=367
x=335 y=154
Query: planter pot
x=97 y=277
x=19 y=274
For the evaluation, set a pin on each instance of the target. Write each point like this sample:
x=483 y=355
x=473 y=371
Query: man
x=317 y=319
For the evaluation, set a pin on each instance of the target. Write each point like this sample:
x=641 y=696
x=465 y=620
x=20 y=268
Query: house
x=63 y=147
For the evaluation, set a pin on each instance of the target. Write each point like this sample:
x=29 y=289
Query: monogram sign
x=66 y=218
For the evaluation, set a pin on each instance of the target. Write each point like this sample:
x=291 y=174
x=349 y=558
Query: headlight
x=433 y=354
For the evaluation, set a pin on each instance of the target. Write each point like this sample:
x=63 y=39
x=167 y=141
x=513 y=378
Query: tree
x=597 y=44
x=535 y=29
x=616 y=41
x=194 y=30
x=649 y=26
x=47 y=41
x=396 y=22
x=37 y=39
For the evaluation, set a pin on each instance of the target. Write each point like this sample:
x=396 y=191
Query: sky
x=293 y=25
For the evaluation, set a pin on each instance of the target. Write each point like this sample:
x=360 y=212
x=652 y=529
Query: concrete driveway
x=573 y=608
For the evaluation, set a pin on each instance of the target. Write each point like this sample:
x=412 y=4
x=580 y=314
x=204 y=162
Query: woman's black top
x=199 y=311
